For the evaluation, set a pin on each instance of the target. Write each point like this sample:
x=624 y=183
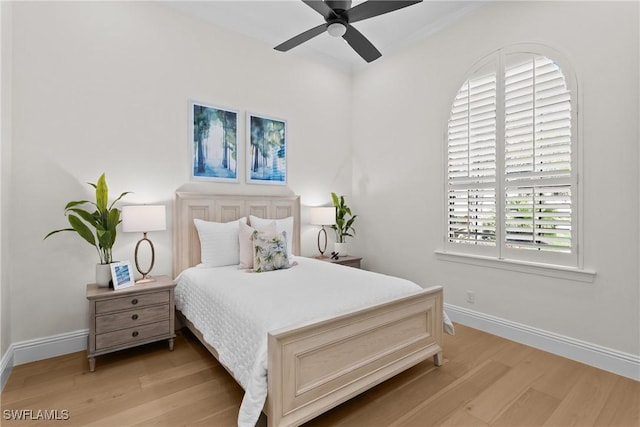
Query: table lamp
x=143 y=219
x=323 y=216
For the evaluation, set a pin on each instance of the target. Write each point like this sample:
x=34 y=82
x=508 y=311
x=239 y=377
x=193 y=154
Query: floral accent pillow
x=270 y=251
x=245 y=234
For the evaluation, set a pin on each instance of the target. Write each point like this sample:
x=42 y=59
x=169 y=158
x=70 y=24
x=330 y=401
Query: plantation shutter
x=537 y=157
x=471 y=173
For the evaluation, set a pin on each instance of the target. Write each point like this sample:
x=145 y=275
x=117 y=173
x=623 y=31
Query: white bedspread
x=234 y=309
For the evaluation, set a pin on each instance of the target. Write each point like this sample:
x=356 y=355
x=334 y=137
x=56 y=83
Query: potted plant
x=97 y=226
x=344 y=223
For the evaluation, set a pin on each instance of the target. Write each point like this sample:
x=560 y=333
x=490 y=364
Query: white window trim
x=539 y=269
x=495 y=257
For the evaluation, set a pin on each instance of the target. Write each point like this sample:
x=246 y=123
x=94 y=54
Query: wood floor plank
x=384 y=405
x=511 y=353
x=560 y=374
x=443 y=404
x=185 y=414
x=585 y=401
x=623 y=405
x=532 y=408
x=121 y=401
x=479 y=349
x=174 y=373
x=225 y=418
x=463 y=418
x=156 y=408
x=360 y=410
x=497 y=397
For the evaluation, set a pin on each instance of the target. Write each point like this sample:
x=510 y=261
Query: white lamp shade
x=144 y=218
x=323 y=216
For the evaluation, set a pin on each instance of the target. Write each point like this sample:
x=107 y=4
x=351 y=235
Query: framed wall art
x=214 y=143
x=266 y=160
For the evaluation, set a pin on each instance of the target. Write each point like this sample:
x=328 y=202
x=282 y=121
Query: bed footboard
x=314 y=367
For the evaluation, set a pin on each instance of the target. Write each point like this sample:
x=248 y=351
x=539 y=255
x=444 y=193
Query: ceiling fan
x=338 y=16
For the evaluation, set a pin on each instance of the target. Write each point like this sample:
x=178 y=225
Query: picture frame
x=214 y=149
x=266 y=148
x=122 y=275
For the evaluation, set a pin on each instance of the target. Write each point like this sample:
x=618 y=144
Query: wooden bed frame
x=316 y=366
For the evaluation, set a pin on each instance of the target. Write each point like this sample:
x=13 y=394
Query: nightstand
x=129 y=317
x=348 y=260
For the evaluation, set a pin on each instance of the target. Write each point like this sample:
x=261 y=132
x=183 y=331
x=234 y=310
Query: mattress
x=235 y=309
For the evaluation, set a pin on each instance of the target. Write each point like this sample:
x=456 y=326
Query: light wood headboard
x=223 y=208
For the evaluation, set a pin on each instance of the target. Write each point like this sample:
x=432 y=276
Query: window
x=511 y=161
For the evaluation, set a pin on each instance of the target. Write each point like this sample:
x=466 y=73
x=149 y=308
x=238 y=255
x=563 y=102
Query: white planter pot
x=103 y=275
x=341 y=248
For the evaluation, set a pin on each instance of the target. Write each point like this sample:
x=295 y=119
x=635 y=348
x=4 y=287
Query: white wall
x=5 y=168
x=104 y=87
x=398 y=169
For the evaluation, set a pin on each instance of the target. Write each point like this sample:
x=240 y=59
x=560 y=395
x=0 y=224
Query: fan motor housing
x=339 y=5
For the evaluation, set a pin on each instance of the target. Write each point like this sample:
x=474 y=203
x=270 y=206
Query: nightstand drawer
x=131 y=318
x=131 y=335
x=134 y=301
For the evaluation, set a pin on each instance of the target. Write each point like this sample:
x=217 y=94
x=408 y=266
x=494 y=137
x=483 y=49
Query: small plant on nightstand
x=344 y=223
x=98 y=228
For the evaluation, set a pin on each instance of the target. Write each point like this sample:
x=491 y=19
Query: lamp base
x=145 y=278
x=321 y=256
x=321 y=249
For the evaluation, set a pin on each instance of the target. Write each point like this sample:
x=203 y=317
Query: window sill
x=549 y=270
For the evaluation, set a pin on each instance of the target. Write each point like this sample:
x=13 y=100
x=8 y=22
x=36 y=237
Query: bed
x=320 y=361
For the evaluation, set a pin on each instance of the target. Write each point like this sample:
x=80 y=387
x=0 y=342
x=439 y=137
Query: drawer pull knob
x=134 y=301
x=134 y=334
x=134 y=317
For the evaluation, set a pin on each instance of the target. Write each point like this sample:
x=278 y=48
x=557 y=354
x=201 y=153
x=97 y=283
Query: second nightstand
x=129 y=317
x=348 y=260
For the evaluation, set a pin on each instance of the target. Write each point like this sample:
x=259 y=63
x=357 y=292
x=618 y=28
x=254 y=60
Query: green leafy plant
x=344 y=219
x=97 y=227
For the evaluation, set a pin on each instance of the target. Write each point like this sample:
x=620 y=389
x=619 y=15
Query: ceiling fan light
x=336 y=29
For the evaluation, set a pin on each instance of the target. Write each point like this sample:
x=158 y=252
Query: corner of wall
x=6 y=365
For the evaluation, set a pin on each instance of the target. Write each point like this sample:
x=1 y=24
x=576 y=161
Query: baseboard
x=6 y=365
x=44 y=348
x=625 y=364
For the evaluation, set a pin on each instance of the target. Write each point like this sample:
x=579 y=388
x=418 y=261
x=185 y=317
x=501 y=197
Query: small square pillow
x=284 y=224
x=219 y=245
x=270 y=251
x=246 y=242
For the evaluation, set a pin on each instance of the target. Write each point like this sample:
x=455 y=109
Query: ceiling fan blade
x=322 y=8
x=361 y=45
x=301 y=38
x=372 y=8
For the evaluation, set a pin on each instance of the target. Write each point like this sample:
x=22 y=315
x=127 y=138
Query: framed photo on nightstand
x=122 y=275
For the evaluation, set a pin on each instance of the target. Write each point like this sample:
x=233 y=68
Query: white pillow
x=284 y=224
x=219 y=245
x=246 y=242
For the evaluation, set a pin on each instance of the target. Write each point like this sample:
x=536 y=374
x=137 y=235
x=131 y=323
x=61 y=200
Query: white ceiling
x=274 y=22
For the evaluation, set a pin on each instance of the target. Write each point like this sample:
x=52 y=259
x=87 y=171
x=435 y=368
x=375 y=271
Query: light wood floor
x=485 y=381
